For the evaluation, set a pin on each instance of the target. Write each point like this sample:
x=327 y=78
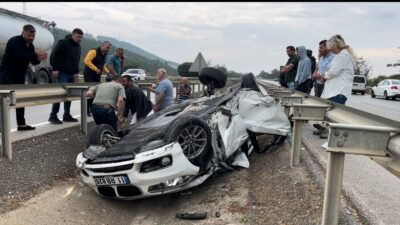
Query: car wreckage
x=182 y=145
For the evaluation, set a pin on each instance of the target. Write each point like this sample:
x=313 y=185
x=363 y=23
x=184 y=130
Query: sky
x=245 y=37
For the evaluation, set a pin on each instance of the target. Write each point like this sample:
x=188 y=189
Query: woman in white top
x=339 y=77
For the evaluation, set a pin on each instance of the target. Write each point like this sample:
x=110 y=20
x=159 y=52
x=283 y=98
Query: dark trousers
x=88 y=78
x=318 y=89
x=62 y=78
x=20 y=116
x=341 y=99
x=101 y=115
x=304 y=87
x=4 y=80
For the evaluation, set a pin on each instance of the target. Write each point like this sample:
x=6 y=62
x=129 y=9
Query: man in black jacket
x=136 y=101
x=65 y=62
x=18 y=54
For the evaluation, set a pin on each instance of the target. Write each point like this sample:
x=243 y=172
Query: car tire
x=29 y=76
x=209 y=74
x=363 y=93
x=249 y=81
x=42 y=77
x=97 y=135
x=194 y=136
x=373 y=94
x=385 y=96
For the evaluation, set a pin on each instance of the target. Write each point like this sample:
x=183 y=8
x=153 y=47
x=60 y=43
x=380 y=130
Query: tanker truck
x=11 y=25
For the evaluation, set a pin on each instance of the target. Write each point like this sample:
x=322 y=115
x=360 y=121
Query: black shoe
x=70 y=119
x=317 y=126
x=318 y=132
x=25 y=127
x=89 y=114
x=55 y=120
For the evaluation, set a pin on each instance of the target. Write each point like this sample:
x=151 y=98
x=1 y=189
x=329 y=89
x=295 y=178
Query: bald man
x=184 y=90
x=164 y=91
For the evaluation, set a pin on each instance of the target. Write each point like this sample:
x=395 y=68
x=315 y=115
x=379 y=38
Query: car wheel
x=102 y=134
x=194 y=136
x=373 y=94
x=385 y=95
x=28 y=76
x=249 y=81
x=210 y=74
x=363 y=93
x=42 y=77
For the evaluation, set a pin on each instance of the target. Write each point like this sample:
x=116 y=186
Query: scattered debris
x=192 y=216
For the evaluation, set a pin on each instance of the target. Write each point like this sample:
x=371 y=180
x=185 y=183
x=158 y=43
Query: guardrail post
x=302 y=113
x=84 y=112
x=5 y=124
x=333 y=188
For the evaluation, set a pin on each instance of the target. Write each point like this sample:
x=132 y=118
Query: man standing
x=184 y=90
x=313 y=66
x=136 y=101
x=65 y=62
x=303 y=75
x=291 y=67
x=95 y=66
x=108 y=97
x=18 y=54
x=116 y=62
x=164 y=91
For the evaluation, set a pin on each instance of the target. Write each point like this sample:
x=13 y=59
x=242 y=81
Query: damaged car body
x=183 y=145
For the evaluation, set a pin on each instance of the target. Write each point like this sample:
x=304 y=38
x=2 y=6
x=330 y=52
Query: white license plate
x=111 y=180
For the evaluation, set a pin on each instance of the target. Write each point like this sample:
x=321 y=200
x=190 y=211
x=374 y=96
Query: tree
x=362 y=67
x=183 y=69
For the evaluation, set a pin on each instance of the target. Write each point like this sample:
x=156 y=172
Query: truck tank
x=11 y=25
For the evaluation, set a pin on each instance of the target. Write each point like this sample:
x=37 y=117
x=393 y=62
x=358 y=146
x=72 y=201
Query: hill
x=132 y=58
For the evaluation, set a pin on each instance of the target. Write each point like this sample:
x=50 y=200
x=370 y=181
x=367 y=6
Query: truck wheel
x=102 y=134
x=194 y=136
x=28 y=76
x=42 y=77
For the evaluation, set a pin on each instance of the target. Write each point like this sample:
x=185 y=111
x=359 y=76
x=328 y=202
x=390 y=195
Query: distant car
x=359 y=83
x=136 y=74
x=386 y=89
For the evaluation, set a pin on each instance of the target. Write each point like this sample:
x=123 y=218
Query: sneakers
x=317 y=126
x=25 y=127
x=55 y=120
x=323 y=136
x=70 y=119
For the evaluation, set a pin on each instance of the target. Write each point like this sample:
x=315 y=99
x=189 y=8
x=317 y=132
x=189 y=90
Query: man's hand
x=55 y=73
x=150 y=88
x=121 y=121
x=316 y=75
x=155 y=109
x=41 y=55
x=284 y=69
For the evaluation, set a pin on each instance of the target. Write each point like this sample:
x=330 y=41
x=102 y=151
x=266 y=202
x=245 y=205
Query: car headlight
x=156 y=164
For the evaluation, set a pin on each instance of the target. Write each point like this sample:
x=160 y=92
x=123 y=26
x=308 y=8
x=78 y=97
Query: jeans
x=102 y=115
x=291 y=85
x=341 y=99
x=62 y=78
x=318 y=89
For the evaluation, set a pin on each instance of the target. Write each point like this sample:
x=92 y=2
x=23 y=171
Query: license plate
x=111 y=180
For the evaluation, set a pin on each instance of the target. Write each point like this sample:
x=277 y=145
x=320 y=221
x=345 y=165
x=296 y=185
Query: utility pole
x=24 y=8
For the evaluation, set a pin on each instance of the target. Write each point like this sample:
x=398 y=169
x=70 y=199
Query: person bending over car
x=108 y=97
x=136 y=101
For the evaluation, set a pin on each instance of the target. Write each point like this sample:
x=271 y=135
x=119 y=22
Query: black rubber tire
x=210 y=74
x=97 y=132
x=28 y=76
x=373 y=94
x=385 y=95
x=178 y=126
x=42 y=77
x=363 y=93
x=249 y=81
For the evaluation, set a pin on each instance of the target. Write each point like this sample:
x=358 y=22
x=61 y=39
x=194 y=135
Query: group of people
x=106 y=100
x=331 y=78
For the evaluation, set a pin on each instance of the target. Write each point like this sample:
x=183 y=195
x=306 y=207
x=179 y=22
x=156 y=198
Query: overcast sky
x=246 y=37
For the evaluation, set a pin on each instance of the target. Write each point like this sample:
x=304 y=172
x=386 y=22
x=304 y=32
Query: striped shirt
x=184 y=92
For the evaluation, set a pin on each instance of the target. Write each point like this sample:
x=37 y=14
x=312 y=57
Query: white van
x=359 y=84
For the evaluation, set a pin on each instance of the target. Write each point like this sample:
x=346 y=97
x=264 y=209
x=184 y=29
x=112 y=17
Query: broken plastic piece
x=192 y=216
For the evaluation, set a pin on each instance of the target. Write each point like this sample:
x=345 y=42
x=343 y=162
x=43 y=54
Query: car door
x=379 y=89
x=385 y=86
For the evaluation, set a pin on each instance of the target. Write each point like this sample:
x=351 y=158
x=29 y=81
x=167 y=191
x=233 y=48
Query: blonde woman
x=339 y=77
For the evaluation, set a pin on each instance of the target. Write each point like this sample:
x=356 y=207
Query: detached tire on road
x=194 y=136
x=98 y=135
x=249 y=81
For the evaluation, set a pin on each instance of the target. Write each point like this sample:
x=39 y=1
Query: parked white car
x=359 y=84
x=387 y=89
x=136 y=74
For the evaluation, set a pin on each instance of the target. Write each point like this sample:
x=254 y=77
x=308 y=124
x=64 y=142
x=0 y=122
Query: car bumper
x=172 y=178
x=393 y=94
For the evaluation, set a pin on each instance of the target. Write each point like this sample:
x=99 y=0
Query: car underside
x=181 y=146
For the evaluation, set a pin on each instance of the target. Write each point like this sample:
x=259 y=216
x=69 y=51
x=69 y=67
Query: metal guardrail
x=351 y=131
x=16 y=96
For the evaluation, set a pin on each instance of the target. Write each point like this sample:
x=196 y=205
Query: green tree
x=362 y=67
x=183 y=69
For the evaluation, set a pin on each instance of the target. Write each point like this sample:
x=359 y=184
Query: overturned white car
x=183 y=145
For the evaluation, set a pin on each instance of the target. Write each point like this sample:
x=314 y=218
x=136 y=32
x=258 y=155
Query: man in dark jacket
x=65 y=62
x=136 y=101
x=313 y=66
x=95 y=61
x=18 y=54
